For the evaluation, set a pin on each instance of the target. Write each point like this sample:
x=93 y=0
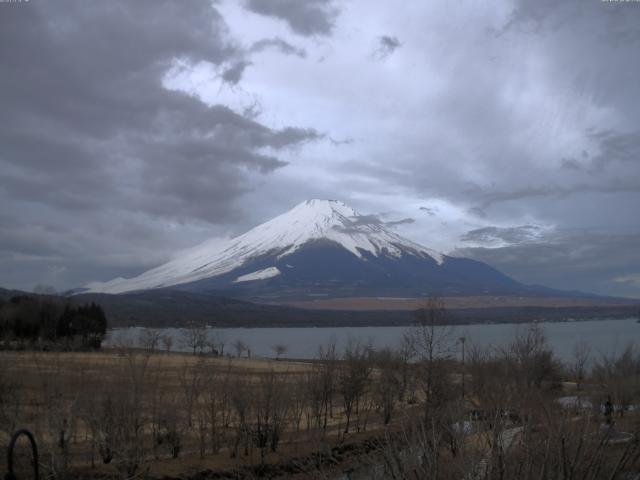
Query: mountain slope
x=320 y=247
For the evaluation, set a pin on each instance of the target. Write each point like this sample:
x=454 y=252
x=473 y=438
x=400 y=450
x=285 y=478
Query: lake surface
x=605 y=337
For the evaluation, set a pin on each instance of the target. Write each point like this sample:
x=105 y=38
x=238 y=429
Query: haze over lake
x=604 y=337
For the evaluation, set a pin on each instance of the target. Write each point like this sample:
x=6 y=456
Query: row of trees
x=147 y=407
x=511 y=424
x=42 y=321
x=198 y=339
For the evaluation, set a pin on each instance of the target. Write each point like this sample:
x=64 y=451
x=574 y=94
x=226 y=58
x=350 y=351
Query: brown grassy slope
x=488 y=301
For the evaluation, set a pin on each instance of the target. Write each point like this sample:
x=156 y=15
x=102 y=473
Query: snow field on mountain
x=308 y=221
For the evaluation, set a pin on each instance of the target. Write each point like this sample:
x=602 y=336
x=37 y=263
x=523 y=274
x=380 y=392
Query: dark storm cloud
x=511 y=114
x=106 y=116
x=616 y=19
x=233 y=74
x=403 y=221
x=386 y=46
x=28 y=240
x=613 y=185
x=430 y=211
x=510 y=235
x=336 y=142
x=309 y=17
x=356 y=223
x=366 y=220
x=608 y=31
x=614 y=149
x=537 y=121
x=376 y=220
x=293 y=136
x=89 y=134
x=277 y=44
x=485 y=72
x=587 y=261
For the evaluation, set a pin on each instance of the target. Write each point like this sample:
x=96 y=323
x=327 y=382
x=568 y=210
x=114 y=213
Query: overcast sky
x=508 y=131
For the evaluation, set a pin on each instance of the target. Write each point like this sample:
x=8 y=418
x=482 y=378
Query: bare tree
x=531 y=358
x=387 y=387
x=269 y=408
x=216 y=343
x=579 y=363
x=167 y=342
x=619 y=378
x=149 y=339
x=353 y=379
x=171 y=430
x=60 y=401
x=157 y=404
x=240 y=400
x=191 y=379
x=520 y=430
x=221 y=342
x=489 y=382
x=214 y=392
x=431 y=339
x=405 y=354
x=195 y=338
x=239 y=346
x=279 y=349
x=431 y=336
x=320 y=384
x=298 y=400
x=327 y=378
x=11 y=391
x=121 y=423
x=315 y=394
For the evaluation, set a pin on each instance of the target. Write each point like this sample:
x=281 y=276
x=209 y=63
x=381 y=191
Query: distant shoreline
x=174 y=308
x=298 y=318
x=572 y=320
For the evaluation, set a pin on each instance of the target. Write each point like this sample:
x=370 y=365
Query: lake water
x=605 y=337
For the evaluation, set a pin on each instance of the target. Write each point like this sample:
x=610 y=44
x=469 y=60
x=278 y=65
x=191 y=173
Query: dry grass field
x=192 y=413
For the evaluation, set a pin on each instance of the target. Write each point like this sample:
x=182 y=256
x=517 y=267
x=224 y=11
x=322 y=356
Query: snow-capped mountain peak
x=310 y=221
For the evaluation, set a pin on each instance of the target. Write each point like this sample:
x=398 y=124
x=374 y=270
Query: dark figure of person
x=608 y=411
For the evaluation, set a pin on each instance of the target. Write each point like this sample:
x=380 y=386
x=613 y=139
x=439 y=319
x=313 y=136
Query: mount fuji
x=320 y=248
